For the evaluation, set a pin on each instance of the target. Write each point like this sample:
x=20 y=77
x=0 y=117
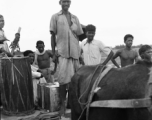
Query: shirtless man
x=42 y=59
x=127 y=55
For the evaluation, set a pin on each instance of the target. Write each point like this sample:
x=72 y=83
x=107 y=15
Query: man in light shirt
x=37 y=77
x=65 y=30
x=92 y=50
x=4 y=50
x=3 y=44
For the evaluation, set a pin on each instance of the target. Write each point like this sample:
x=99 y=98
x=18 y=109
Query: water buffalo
x=128 y=83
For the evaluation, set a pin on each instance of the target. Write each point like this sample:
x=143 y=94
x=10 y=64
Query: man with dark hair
x=42 y=59
x=128 y=36
x=145 y=53
x=127 y=55
x=36 y=76
x=65 y=30
x=93 y=50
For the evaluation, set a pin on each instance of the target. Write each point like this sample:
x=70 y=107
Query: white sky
x=113 y=19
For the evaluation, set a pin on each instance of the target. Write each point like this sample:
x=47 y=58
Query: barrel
x=16 y=86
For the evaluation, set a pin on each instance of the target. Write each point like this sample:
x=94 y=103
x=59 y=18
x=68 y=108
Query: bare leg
x=63 y=92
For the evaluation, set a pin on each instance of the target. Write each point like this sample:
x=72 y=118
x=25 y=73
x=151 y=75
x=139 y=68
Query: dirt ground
x=5 y=117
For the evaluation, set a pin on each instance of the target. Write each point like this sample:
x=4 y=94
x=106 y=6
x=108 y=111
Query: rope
x=87 y=104
x=14 y=65
x=79 y=100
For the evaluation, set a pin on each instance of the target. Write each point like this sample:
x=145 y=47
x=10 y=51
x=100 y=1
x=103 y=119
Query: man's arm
x=136 y=57
x=114 y=57
x=81 y=58
x=2 y=51
x=82 y=36
x=108 y=58
x=53 y=44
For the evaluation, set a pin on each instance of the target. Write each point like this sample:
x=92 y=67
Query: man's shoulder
x=120 y=50
x=55 y=15
x=48 y=51
x=97 y=42
x=74 y=16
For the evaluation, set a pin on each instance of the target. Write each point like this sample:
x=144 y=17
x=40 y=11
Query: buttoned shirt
x=4 y=45
x=93 y=52
x=66 y=36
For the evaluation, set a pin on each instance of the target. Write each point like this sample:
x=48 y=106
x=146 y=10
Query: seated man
x=37 y=76
x=42 y=59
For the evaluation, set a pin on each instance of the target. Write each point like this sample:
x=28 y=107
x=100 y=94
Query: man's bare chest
x=43 y=57
x=128 y=55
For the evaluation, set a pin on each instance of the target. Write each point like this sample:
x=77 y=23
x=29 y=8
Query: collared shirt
x=93 y=52
x=67 y=42
x=4 y=45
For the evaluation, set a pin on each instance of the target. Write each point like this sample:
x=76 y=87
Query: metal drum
x=16 y=86
x=48 y=97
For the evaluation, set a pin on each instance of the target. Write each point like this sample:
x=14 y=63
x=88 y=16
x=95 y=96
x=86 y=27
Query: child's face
x=40 y=48
x=148 y=55
x=1 y=22
x=90 y=35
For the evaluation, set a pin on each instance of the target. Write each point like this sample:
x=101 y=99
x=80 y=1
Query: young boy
x=93 y=50
x=36 y=76
x=145 y=53
x=42 y=59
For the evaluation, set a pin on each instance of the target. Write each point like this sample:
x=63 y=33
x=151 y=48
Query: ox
x=130 y=84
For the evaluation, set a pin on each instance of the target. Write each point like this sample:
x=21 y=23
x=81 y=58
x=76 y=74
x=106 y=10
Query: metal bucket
x=49 y=96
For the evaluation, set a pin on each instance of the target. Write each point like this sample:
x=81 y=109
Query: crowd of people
x=66 y=32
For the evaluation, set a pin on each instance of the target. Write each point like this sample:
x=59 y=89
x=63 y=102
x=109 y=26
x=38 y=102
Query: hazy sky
x=113 y=19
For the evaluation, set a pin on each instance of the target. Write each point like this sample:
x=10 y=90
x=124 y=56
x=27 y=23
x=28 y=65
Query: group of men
x=65 y=30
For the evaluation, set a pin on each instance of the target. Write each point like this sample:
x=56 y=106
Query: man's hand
x=81 y=61
x=39 y=77
x=54 y=59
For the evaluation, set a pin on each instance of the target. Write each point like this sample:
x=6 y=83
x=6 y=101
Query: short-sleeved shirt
x=66 y=36
x=4 y=45
x=93 y=52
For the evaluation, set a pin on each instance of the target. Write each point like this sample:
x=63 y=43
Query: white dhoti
x=66 y=69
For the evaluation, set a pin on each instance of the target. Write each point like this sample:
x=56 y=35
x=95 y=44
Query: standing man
x=65 y=30
x=127 y=55
x=93 y=50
